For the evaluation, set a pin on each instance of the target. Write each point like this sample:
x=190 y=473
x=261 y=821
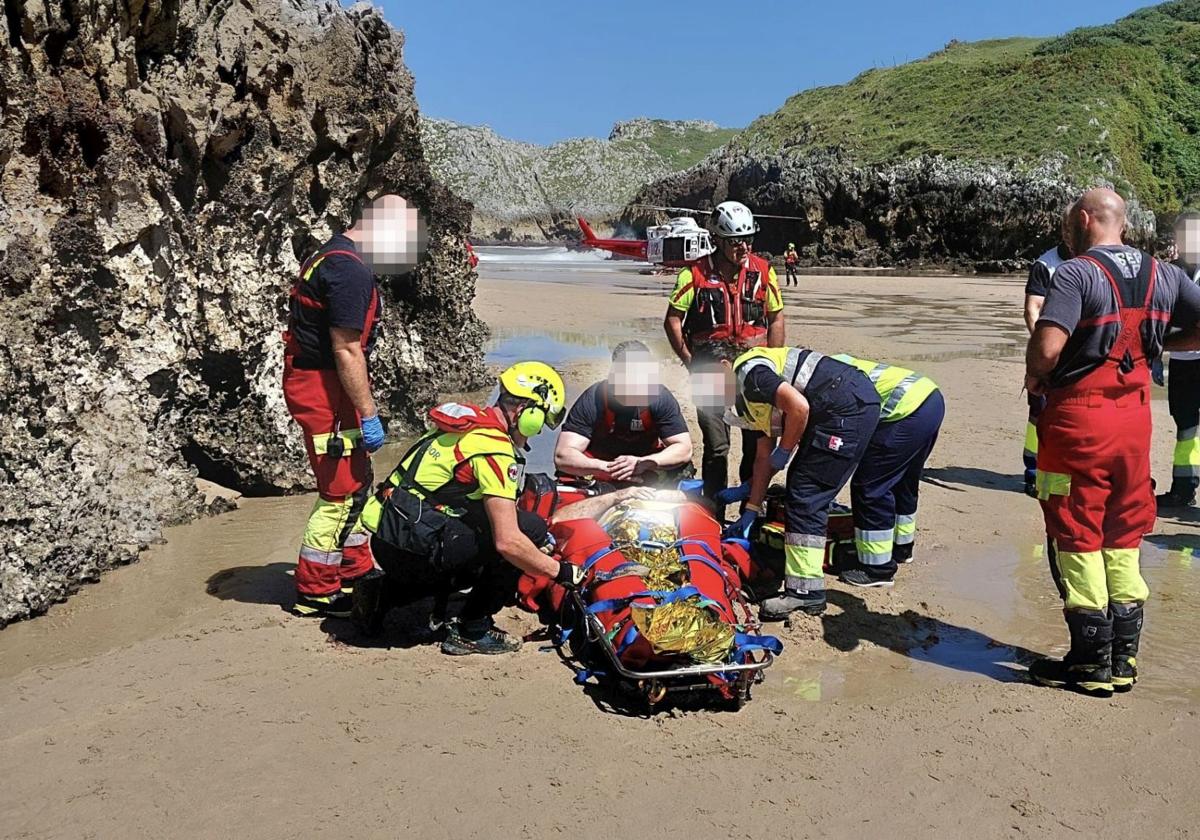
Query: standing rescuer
x=796 y=397
x=730 y=296
x=334 y=313
x=790 y=260
x=1040 y=274
x=1183 y=387
x=1106 y=316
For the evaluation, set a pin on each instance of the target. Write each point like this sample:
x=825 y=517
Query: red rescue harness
x=722 y=311
x=1110 y=380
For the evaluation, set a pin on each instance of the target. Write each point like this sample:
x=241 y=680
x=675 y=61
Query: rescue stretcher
x=663 y=611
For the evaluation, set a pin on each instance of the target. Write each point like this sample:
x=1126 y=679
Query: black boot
x=1127 y=631
x=1087 y=667
x=369 y=603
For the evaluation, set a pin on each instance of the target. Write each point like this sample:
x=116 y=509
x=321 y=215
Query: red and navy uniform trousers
x=335 y=548
x=887 y=484
x=1093 y=477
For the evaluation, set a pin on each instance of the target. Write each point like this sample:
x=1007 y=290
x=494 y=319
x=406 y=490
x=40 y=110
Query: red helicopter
x=673 y=245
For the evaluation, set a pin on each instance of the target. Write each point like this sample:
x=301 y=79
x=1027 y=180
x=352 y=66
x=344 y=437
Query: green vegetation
x=1120 y=101
x=681 y=145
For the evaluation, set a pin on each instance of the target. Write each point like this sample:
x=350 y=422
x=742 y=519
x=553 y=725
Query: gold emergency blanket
x=646 y=533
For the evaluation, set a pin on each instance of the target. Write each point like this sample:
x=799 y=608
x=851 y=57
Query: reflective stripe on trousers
x=906 y=529
x=1090 y=580
x=1186 y=462
x=804 y=561
x=874 y=547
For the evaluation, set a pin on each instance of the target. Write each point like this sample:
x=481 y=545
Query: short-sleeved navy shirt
x=587 y=414
x=345 y=286
x=1043 y=269
x=760 y=385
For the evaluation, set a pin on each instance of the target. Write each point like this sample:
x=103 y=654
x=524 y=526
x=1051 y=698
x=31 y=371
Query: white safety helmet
x=732 y=218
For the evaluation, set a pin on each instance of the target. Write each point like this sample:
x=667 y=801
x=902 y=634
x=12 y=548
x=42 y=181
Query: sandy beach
x=178 y=698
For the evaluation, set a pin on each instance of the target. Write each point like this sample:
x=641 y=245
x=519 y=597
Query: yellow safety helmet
x=792 y=245
x=543 y=387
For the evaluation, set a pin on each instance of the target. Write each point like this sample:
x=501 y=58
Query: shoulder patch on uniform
x=513 y=472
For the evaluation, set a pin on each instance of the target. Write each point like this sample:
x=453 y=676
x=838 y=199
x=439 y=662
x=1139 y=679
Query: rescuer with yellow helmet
x=447 y=516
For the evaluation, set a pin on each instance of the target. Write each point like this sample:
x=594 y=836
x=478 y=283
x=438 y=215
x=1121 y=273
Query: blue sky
x=543 y=71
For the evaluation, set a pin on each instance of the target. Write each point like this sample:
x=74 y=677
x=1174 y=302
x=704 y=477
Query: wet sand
x=177 y=698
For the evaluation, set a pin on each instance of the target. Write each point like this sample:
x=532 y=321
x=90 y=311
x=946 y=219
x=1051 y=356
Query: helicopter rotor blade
x=709 y=212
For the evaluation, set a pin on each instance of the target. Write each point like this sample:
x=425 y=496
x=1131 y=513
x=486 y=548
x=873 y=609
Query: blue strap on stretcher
x=661 y=596
x=748 y=643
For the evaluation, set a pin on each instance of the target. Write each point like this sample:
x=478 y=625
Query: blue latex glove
x=1156 y=372
x=779 y=458
x=741 y=528
x=372 y=432
x=733 y=494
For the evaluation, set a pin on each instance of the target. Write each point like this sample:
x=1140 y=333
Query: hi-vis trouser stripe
x=804 y=560
x=1031 y=442
x=906 y=529
x=326 y=532
x=874 y=547
x=1187 y=453
x=1089 y=580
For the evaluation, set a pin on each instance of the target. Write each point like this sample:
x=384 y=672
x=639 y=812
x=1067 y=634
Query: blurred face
x=1187 y=241
x=713 y=387
x=736 y=248
x=392 y=236
x=635 y=379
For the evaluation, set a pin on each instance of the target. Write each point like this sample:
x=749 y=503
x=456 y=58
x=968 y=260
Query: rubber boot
x=1087 y=667
x=369 y=603
x=1127 y=632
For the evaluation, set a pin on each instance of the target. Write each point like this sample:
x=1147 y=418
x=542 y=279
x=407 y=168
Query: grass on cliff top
x=685 y=148
x=1120 y=101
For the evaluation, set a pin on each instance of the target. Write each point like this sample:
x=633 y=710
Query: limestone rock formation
x=164 y=167
x=924 y=210
x=522 y=191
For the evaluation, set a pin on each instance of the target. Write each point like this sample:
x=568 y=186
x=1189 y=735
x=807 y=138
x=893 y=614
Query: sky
x=544 y=71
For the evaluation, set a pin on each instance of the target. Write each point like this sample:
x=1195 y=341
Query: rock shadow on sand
x=923 y=638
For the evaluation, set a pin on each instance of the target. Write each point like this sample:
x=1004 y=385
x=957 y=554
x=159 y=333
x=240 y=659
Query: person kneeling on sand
x=627 y=429
x=447 y=517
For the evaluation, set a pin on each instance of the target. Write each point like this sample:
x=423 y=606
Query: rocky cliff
x=968 y=155
x=526 y=192
x=164 y=167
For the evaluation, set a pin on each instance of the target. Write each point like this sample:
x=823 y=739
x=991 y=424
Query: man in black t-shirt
x=1040 y=274
x=333 y=319
x=627 y=429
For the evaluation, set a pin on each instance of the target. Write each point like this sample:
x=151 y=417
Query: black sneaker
x=861 y=577
x=323 y=606
x=460 y=641
x=1176 y=499
x=788 y=602
x=1092 y=680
